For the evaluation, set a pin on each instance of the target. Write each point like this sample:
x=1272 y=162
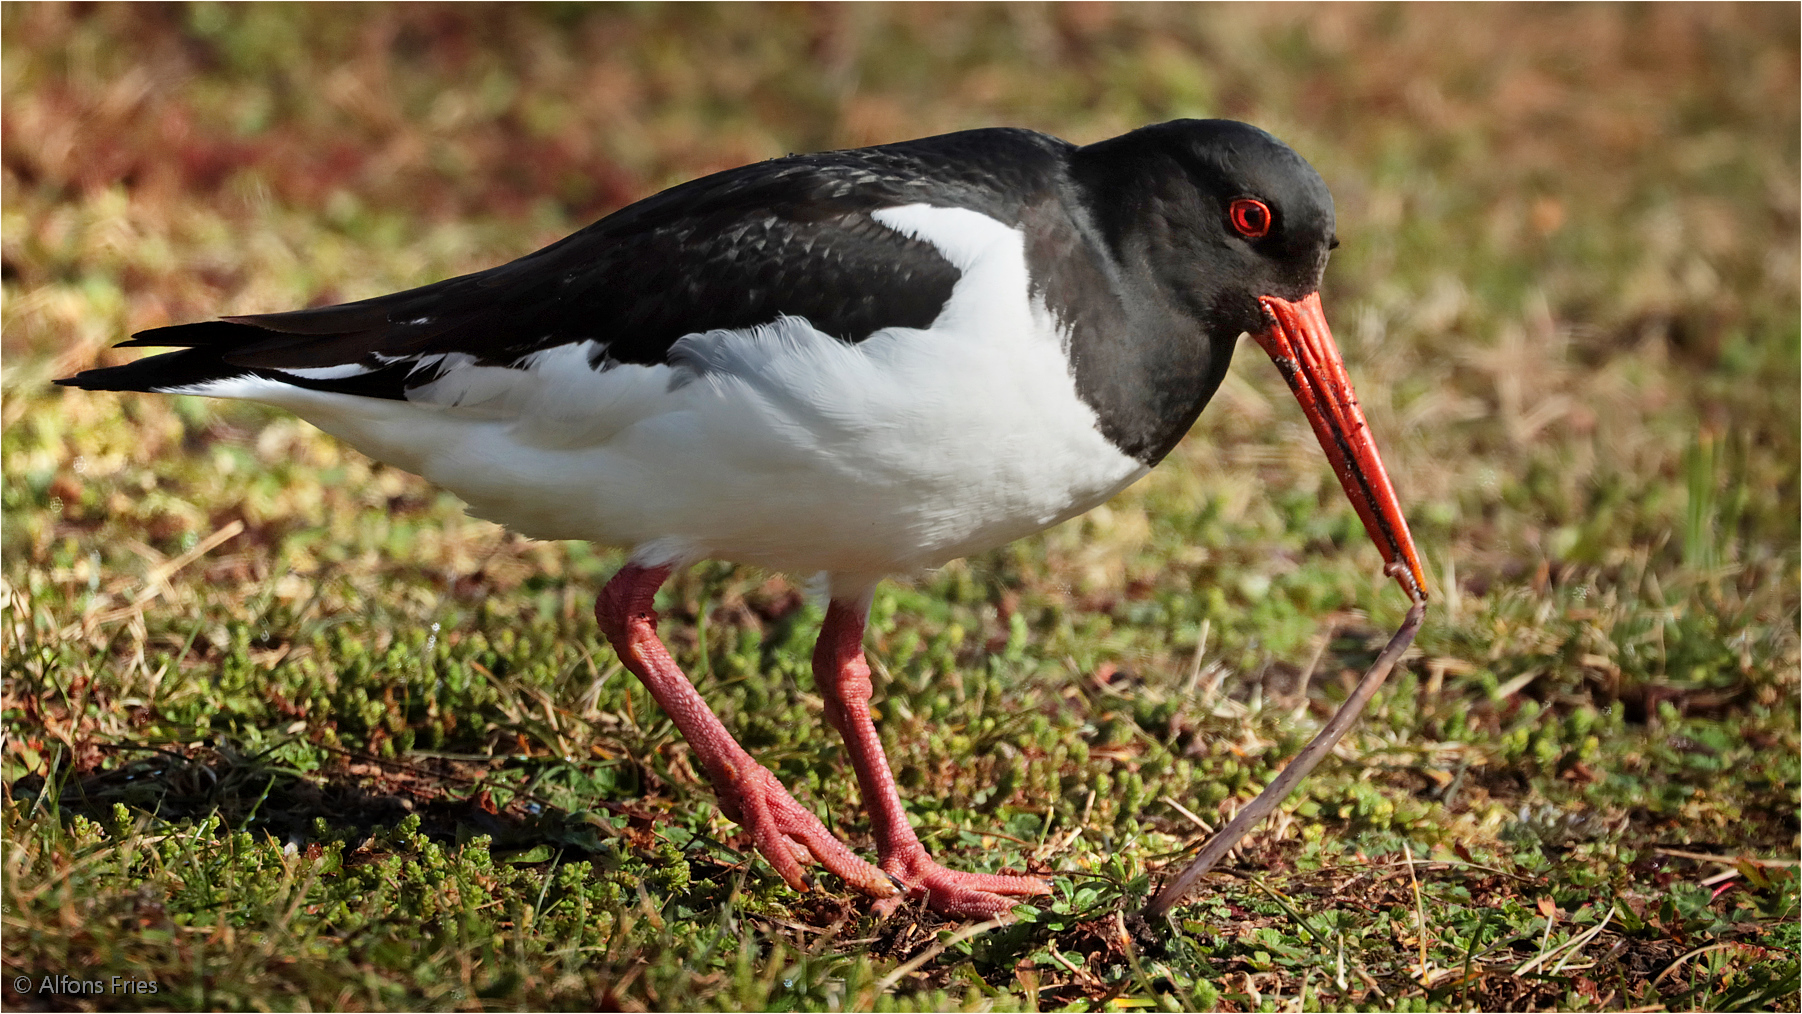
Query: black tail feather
x=210 y=358
x=158 y=373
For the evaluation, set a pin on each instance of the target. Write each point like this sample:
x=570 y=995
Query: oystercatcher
x=857 y=363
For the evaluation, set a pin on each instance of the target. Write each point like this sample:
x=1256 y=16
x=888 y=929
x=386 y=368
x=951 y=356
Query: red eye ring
x=1251 y=217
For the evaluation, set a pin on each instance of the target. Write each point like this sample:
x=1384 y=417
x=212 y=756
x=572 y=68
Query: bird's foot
x=959 y=895
x=787 y=834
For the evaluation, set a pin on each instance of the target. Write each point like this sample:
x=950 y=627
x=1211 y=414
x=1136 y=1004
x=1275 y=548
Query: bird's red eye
x=1251 y=217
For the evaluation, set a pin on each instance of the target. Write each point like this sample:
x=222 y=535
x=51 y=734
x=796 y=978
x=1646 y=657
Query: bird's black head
x=1219 y=212
x=1229 y=229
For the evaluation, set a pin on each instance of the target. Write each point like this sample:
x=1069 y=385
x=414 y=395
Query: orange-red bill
x=1302 y=347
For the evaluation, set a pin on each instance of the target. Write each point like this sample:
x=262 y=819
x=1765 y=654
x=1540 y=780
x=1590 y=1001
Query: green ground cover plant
x=284 y=729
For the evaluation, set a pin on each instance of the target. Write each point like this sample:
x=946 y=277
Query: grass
x=284 y=729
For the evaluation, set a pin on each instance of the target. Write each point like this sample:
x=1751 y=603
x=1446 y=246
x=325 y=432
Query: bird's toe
x=962 y=895
x=787 y=834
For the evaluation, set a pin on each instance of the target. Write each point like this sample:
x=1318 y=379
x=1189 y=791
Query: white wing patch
x=961 y=236
x=340 y=372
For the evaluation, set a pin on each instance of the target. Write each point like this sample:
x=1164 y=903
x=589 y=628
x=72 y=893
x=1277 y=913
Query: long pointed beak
x=1302 y=347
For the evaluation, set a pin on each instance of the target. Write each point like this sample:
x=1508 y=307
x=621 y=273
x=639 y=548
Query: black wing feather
x=733 y=250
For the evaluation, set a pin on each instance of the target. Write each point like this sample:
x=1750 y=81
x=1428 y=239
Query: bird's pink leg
x=844 y=681
x=786 y=833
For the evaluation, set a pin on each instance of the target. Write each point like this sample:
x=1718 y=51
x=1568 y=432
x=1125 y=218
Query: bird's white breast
x=776 y=445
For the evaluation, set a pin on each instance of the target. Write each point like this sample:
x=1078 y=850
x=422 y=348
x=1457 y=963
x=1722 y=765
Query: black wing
x=737 y=249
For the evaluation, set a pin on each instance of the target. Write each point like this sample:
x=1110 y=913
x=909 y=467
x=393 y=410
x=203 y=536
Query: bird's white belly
x=792 y=450
x=779 y=445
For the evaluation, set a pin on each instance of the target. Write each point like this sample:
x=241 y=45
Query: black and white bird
x=857 y=363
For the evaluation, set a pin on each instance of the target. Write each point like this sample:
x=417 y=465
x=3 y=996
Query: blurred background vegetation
x=1568 y=292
